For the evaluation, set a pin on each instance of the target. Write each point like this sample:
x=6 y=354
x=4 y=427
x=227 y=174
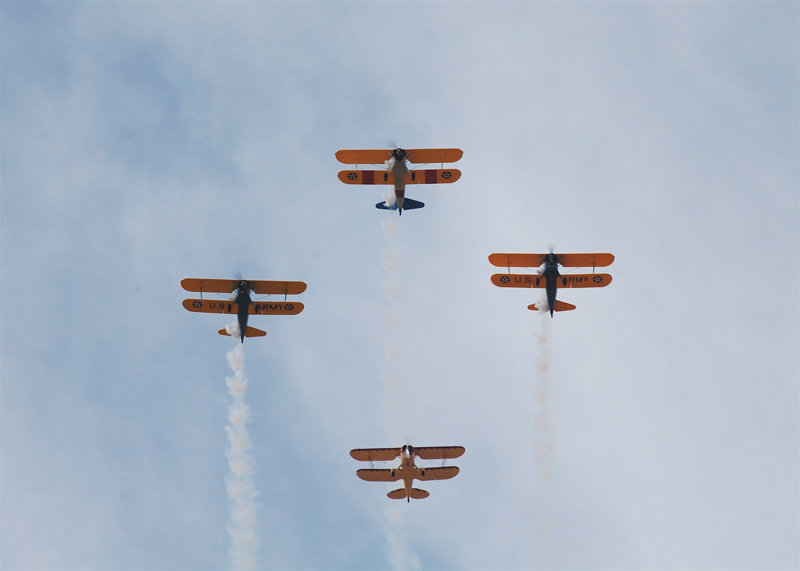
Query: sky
x=654 y=427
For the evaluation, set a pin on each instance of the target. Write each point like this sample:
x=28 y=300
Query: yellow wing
x=218 y=286
x=434 y=155
x=427 y=176
x=377 y=475
x=438 y=452
x=210 y=305
x=564 y=280
x=536 y=260
x=364 y=156
x=518 y=280
x=586 y=260
x=262 y=287
x=584 y=280
x=275 y=308
x=380 y=156
x=273 y=287
x=439 y=473
x=375 y=454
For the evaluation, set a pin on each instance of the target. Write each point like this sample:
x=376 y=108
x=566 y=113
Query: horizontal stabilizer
x=416 y=493
x=249 y=332
x=408 y=204
x=560 y=306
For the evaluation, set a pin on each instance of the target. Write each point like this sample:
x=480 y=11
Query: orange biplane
x=549 y=276
x=242 y=304
x=396 y=171
x=407 y=470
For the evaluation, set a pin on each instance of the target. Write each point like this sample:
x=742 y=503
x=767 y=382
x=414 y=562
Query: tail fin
x=249 y=332
x=408 y=204
x=560 y=306
x=400 y=494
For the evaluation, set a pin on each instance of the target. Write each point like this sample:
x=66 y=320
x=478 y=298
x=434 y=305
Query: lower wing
x=535 y=280
x=440 y=473
x=584 y=280
x=427 y=176
x=376 y=475
x=210 y=305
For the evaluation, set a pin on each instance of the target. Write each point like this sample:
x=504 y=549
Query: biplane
x=242 y=305
x=397 y=173
x=549 y=277
x=407 y=471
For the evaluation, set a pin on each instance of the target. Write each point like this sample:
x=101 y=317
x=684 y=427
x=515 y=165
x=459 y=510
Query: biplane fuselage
x=551 y=275
x=399 y=168
x=407 y=470
x=243 y=302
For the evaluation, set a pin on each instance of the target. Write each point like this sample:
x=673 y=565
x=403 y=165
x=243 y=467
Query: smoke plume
x=543 y=454
x=240 y=486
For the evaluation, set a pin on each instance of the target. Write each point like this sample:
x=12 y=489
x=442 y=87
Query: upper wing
x=210 y=305
x=219 y=286
x=585 y=260
x=434 y=155
x=380 y=156
x=440 y=473
x=427 y=176
x=377 y=475
x=375 y=454
x=264 y=287
x=517 y=260
x=536 y=260
x=518 y=280
x=584 y=280
x=438 y=452
x=364 y=157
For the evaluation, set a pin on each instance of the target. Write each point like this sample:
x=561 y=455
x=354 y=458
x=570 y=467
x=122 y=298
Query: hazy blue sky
x=655 y=427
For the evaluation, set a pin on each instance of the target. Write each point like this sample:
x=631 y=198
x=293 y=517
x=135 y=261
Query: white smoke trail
x=399 y=555
x=240 y=485
x=393 y=346
x=544 y=448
